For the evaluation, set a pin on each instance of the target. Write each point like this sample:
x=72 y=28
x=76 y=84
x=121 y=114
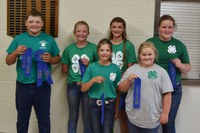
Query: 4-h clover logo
x=171 y=49
x=118 y=59
x=43 y=44
x=113 y=76
x=152 y=74
x=75 y=63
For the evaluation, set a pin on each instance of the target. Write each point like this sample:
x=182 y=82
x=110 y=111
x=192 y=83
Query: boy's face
x=34 y=25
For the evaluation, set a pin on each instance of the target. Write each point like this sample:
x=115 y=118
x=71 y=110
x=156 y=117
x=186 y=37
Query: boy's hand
x=21 y=49
x=46 y=57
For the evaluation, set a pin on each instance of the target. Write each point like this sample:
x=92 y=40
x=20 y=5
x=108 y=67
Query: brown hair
x=166 y=17
x=147 y=45
x=35 y=13
x=81 y=23
x=118 y=20
x=103 y=42
x=124 y=35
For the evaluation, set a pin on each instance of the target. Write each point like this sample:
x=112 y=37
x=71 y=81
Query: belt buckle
x=107 y=102
x=99 y=102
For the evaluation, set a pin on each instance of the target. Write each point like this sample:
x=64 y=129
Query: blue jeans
x=176 y=99
x=95 y=114
x=134 y=129
x=28 y=95
x=74 y=96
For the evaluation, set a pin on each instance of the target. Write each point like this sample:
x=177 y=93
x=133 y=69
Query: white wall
x=188 y=116
x=139 y=15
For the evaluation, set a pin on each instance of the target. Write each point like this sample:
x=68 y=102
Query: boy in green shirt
x=22 y=50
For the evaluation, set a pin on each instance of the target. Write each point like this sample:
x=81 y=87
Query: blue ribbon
x=42 y=68
x=172 y=73
x=82 y=68
x=136 y=93
x=122 y=101
x=26 y=60
x=102 y=109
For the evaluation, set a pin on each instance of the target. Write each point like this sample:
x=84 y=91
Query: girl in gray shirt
x=154 y=94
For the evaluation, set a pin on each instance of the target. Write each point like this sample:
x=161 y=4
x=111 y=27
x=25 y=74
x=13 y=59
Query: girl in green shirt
x=171 y=49
x=100 y=80
x=123 y=56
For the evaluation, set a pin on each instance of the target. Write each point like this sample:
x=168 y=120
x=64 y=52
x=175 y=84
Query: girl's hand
x=21 y=49
x=183 y=67
x=85 y=61
x=131 y=77
x=98 y=79
x=164 y=118
x=46 y=57
x=177 y=62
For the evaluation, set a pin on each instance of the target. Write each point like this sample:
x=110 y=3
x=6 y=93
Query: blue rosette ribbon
x=42 y=68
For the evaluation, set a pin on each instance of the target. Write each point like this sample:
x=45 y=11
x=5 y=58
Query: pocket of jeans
x=70 y=85
x=110 y=105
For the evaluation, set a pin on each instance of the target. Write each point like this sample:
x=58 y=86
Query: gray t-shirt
x=154 y=83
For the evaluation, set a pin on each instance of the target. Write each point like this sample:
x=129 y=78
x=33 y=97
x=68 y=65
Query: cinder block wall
x=139 y=15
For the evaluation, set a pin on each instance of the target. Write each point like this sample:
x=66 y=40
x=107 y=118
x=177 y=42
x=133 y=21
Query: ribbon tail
x=102 y=109
x=82 y=68
x=26 y=60
x=47 y=73
x=39 y=73
x=136 y=93
x=172 y=73
x=23 y=60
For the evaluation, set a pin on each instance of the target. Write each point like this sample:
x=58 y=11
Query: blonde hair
x=147 y=45
x=81 y=23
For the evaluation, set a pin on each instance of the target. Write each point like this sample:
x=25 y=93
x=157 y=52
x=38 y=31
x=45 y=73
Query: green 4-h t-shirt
x=71 y=56
x=168 y=50
x=112 y=75
x=118 y=55
x=42 y=41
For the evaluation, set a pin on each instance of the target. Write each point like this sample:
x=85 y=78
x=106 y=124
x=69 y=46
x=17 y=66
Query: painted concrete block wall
x=139 y=15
